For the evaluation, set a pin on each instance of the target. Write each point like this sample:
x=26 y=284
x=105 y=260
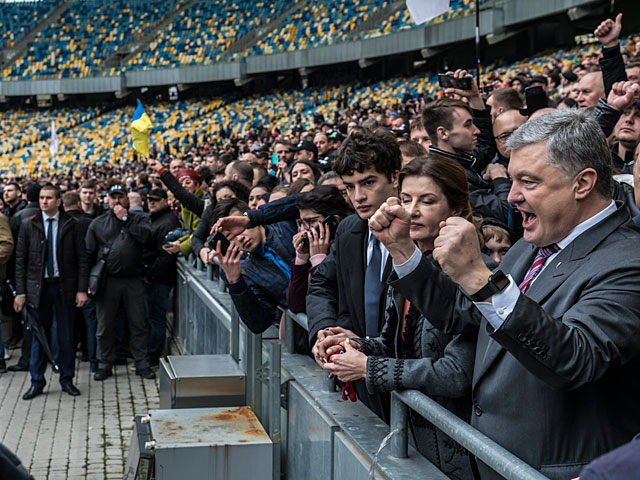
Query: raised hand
x=623 y=94
x=319 y=242
x=473 y=96
x=390 y=225
x=235 y=225
x=230 y=262
x=457 y=250
x=608 y=32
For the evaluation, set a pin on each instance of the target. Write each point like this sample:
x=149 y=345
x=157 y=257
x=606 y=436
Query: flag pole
x=478 y=42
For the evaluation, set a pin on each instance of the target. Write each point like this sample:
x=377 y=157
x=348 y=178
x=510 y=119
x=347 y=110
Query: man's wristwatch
x=498 y=281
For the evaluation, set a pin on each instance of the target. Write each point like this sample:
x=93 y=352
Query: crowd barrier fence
x=314 y=433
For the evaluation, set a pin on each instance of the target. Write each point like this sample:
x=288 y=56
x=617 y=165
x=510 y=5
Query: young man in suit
x=346 y=288
x=557 y=358
x=51 y=277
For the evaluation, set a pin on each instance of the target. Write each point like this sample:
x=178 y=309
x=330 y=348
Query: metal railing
x=258 y=373
x=269 y=374
x=493 y=455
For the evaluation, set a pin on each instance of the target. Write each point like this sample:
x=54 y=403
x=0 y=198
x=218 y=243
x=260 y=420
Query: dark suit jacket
x=31 y=258
x=558 y=383
x=336 y=289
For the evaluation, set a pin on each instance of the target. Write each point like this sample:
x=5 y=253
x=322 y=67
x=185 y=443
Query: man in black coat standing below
x=120 y=236
x=51 y=277
x=160 y=272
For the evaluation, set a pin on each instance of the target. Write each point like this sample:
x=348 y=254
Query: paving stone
x=60 y=437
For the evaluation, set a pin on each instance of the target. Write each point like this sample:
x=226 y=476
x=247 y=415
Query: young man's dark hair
x=509 y=98
x=243 y=169
x=224 y=208
x=268 y=181
x=226 y=158
x=440 y=114
x=239 y=190
x=52 y=187
x=361 y=150
x=70 y=200
x=326 y=200
x=413 y=149
x=13 y=183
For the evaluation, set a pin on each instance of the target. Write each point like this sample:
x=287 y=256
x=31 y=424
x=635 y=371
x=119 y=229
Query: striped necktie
x=538 y=263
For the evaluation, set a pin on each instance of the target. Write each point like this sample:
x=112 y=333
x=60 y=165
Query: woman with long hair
x=411 y=353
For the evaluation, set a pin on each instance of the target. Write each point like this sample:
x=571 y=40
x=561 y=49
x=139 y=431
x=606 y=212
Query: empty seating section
x=19 y=128
x=94 y=136
x=401 y=20
x=86 y=34
x=17 y=19
x=316 y=24
x=77 y=43
x=204 y=31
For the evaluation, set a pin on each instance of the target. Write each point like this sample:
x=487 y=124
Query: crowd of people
x=478 y=247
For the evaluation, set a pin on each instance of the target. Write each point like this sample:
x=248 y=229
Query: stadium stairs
x=248 y=40
x=131 y=49
x=10 y=55
x=378 y=17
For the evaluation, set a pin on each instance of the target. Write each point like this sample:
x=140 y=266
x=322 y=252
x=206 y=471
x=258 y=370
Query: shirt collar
x=45 y=217
x=587 y=224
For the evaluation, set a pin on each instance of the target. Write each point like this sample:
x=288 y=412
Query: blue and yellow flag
x=140 y=125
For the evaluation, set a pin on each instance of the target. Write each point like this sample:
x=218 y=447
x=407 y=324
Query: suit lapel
x=355 y=254
x=561 y=268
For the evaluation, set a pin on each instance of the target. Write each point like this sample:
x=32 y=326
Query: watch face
x=500 y=280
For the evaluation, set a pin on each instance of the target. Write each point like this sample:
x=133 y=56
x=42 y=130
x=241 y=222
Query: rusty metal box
x=210 y=443
x=194 y=381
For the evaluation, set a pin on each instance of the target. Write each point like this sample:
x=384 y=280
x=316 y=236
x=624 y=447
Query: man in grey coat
x=556 y=370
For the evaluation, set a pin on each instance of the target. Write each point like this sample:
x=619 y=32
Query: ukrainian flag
x=140 y=125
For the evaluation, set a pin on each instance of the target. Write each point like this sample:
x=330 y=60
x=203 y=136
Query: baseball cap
x=308 y=146
x=157 y=193
x=120 y=189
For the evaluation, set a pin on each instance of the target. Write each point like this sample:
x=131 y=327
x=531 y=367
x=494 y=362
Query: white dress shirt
x=54 y=227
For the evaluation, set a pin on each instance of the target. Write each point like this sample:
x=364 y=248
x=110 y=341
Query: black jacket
x=83 y=220
x=10 y=212
x=160 y=266
x=486 y=146
x=127 y=240
x=488 y=199
x=31 y=257
x=186 y=198
x=21 y=215
x=612 y=65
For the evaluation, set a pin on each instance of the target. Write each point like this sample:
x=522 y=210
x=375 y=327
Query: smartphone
x=274 y=159
x=535 y=99
x=333 y=226
x=212 y=243
x=449 y=81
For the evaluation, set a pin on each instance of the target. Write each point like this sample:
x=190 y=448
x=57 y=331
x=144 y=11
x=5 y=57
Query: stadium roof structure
x=499 y=19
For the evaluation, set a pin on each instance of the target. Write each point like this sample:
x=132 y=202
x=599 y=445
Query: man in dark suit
x=557 y=364
x=51 y=277
x=346 y=289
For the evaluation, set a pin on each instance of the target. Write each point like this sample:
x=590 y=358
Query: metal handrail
x=493 y=455
x=496 y=457
x=478 y=444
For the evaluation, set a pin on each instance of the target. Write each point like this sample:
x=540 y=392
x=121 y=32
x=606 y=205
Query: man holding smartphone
x=257 y=282
x=462 y=130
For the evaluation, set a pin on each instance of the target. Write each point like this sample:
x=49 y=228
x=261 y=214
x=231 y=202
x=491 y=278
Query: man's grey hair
x=574 y=142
